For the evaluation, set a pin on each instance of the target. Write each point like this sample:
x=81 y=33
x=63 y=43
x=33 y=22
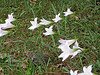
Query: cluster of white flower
x=67 y=50
x=8 y=24
x=68 y=47
x=86 y=71
x=49 y=31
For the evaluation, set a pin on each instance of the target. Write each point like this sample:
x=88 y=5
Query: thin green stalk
x=80 y=61
x=33 y=12
x=53 y=40
x=65 y=23
x=58 y=29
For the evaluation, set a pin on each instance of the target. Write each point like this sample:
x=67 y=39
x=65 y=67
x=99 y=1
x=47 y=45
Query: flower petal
x=75 y=53
x=63 y=55
x=2 y=33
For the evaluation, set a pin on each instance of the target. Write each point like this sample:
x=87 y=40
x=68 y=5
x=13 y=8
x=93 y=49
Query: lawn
x=26 y=52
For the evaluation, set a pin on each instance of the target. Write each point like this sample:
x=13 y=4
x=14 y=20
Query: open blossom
x=65 y=43
x=49 y=31
x=7 y=25
x=10 y=18
x=34 y=24
x=68 y=12
x=57 y=18
x=44 y=22
x=67 y=50
x=73 y=72
x=77 y=49
x=87 y=70
x=68 y=42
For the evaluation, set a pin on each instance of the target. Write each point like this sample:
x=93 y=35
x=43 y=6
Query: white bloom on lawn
x=57 y=18
x=7 y=25
x=44 y=22
x=10 y=18
x=64 y=43
x=73 y=72
x=3 y=32
x=69 y=42
x=68 y=12
x=66 y=50
x=49 y=31
x=34 y=24
x=76 y=48
x=87 y=70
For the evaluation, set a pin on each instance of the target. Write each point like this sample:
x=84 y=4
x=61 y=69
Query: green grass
x=39 y=53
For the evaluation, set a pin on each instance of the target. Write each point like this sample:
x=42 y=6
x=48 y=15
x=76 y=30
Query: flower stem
x=58 y=30
x=53 y=40
x=80 y=61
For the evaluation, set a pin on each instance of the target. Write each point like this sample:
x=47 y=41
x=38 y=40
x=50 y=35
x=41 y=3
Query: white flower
x=49 y=31
x=10 y=18
x=34 y=24
x=68 y=42
x=3 y=32
x=73 y=72
x=76 y=48
x=57 y=18
x=7 y=25
x=68 y=12
x=75 y=53
x=65 y=43
x=76 y=45
x=66 y=50
x=87 y=70
x=44 y=22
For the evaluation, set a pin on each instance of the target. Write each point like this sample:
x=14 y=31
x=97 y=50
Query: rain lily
x=49 y=31
x=68 y=12
x=68 y=42
x=73 y=72
x=57 y=18
x=8 y=21
x=7 y=25
x=74 y=53
x=10 y=18
x=76 y=48
x=34 y=24
x=44 y=22
x=65 y=43
x=87 y=70
x=66 y=50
